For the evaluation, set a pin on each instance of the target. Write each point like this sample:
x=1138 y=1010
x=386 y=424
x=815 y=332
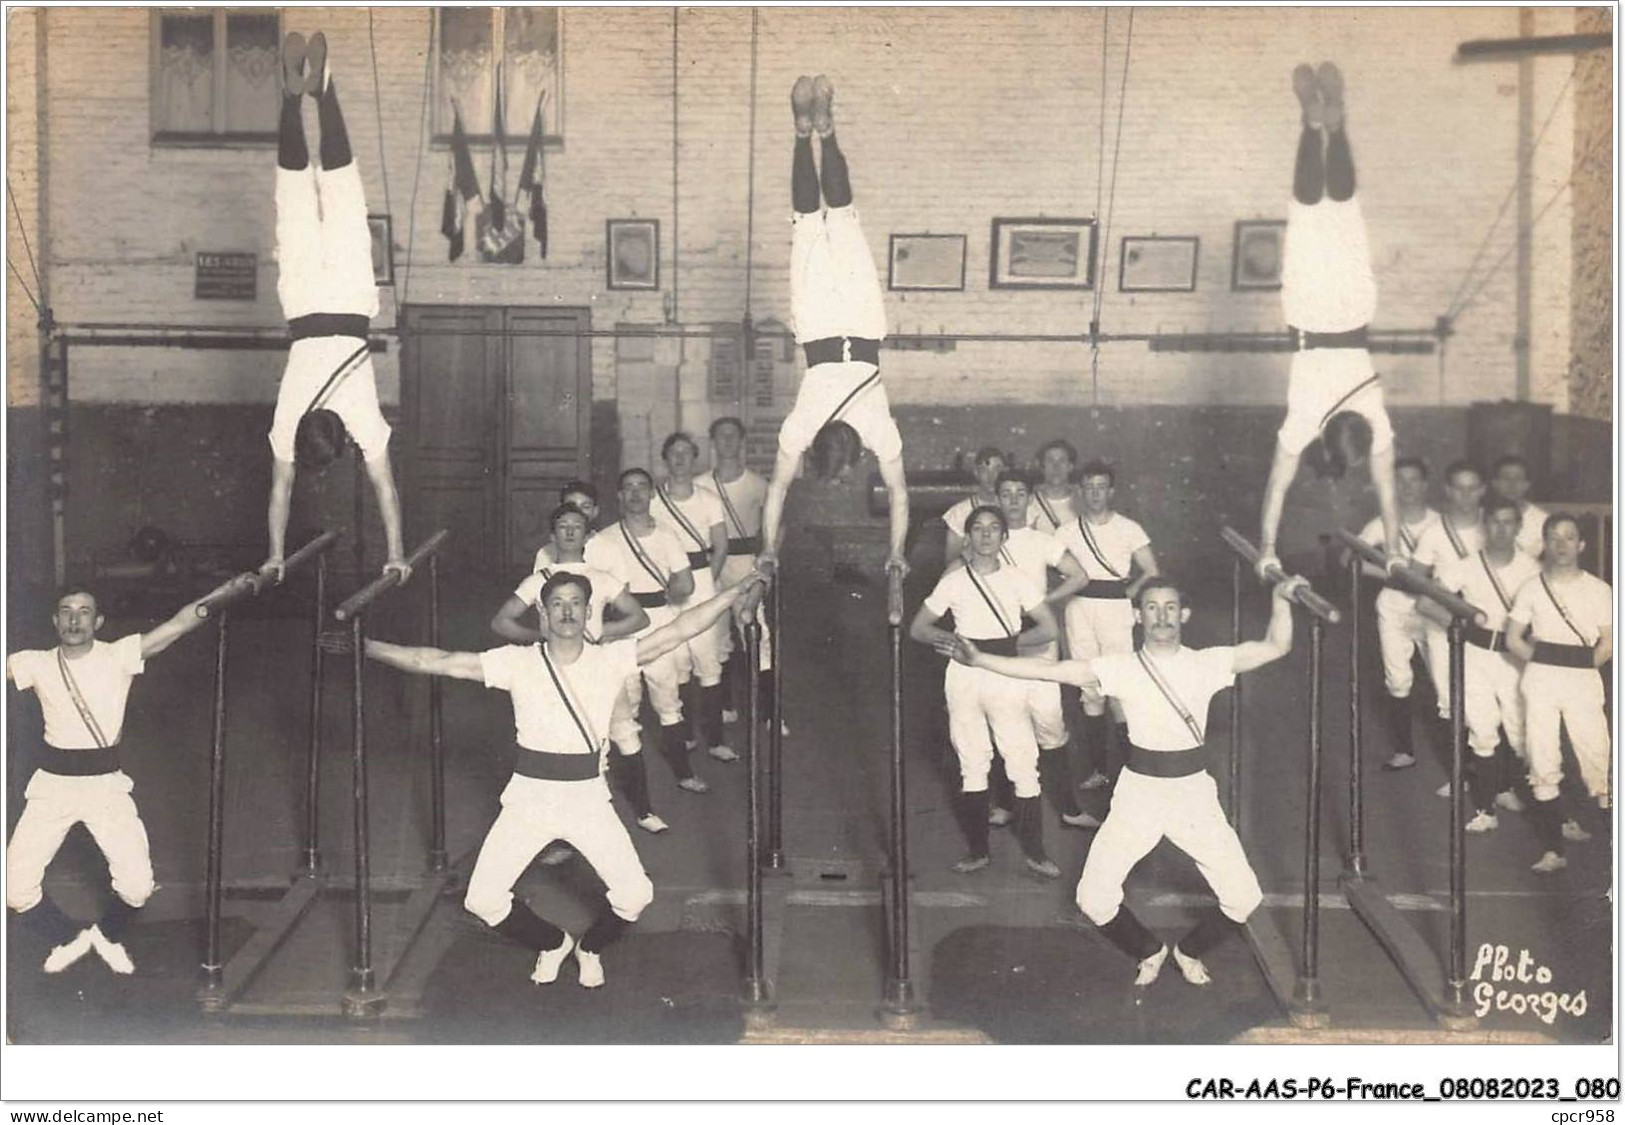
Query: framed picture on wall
x=1042 y=254
x=383 y=249
x=633 y=253
x=927 y=261
x=1257 y=260
x=1158 y=265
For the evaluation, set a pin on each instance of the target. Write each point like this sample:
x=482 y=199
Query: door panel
x=548 y=421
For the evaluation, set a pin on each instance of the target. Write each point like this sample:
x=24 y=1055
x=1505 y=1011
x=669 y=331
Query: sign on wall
x=225 y=276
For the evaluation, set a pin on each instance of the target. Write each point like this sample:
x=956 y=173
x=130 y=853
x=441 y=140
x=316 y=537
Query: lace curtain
x=531 y=56
x=187 y=97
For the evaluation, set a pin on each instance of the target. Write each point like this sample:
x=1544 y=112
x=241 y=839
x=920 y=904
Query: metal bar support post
x=899 y=1009
x=437 y=750
x=1306 y=996
x=775 y=737
x=756 y=991
x=1356 y=856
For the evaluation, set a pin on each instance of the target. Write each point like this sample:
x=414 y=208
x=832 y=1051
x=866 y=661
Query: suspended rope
x=22 y=230
x=23 y=281
x=1100 y=186
x=1111 y=204
x=1489 y=274
x=417 y=170
x=675 y=228
x=750 y=173
x=1453 y=308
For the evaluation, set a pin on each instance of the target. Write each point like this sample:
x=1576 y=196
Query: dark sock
x=804 y=178
x=999 y=790
x=1309 y=173
x=1443 y=743
x=1483 y=782
x=1094 y=735
x=605 y=929
x=1548 y=818
x=1126 y=933
x=291 y=152
x=633 y=778
x=1510 y=766
x=1339 y=166
x=689 y=693
x=1399 y=724
x=711 y=700
x=674 y=749
x=335 y=144
x=47 y=920
x=1030 y=828
x=1055 y=775
x=735 y=675
x=973 y=809
x=116 y=918
x=1208 y=933
x=530 y=931
x=837 y=184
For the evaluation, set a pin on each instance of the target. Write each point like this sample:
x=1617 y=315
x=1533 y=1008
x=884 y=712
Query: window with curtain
x=215 y=75
x=522 y=46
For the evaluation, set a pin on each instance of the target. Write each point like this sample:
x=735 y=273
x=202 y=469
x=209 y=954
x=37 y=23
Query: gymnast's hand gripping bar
x=1303 y=595
x=369 y=593
x=252 y=583
x=1411 y=582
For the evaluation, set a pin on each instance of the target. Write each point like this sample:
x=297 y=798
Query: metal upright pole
x=313 y=756
x=1306 y=995
x=1356 y=856
x=1456 y=984
x=756 y=989
x=437 y=752
x=212 y=965
x=1235 y=699
x=360 y=992
x=775 y=738
x=899 y=1006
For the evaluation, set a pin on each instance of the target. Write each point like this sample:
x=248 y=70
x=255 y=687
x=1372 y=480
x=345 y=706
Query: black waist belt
x=996 y=646
x=1167 y=763
x=1309 y=341
x=329 y=324
x=840 y=349
x=1107 y=588
x=1564 y=656
x=544 y=765
x=1483 y=638
x=80 y=763
x=749 y=545
x=651 y=601
x=699 y=558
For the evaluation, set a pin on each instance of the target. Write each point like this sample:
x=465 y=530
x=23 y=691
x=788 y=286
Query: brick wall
x=1592 y=379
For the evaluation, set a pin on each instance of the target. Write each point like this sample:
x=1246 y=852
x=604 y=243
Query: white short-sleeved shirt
x=1196 y=675
x=1444 y=541
x=1470 y=577
x=1588 y=600
x=1028 y=550
x=1410 y=537
x=1114 y=543
x=701 y=511
x=1531 y=530
x=609 y=551
x=956 y=515
x=606 y=588
x=1048 y=514
x=747 y=494
x=541 y=720
x=1012 y=592
x=103 y=674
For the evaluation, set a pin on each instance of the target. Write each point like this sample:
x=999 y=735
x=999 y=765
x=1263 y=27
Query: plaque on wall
x=226 y=276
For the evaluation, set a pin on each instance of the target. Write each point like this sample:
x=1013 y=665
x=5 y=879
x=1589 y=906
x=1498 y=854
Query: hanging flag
x=533 y=179
x=462 y=186
x=501 y=232
x=499 y=163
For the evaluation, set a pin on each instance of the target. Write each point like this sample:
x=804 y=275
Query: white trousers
x=662 y=677
x=1098 y=627
x=1568 y=697
x=323 y=246
x=700 y=656
x=1492 y=698
x=1401 y=631
x=54 y=805
x=534 y=814
x=1185 y=810
x=977 y=700
x=1438 y=661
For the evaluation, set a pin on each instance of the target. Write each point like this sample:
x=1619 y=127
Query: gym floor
x=998 y=956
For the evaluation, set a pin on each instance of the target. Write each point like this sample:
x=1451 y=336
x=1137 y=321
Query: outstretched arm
x=1079 y=673
x=185 y=620
x=507 y=623
x=891 y=472
x=1382 y=476
x=1282 y=470
x=389 y=510
x=427 y=661
x=691 y=623
x=1277 y=640
x=276 y=516
x=784 y=471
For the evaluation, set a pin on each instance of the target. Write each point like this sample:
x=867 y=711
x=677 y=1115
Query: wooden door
x=547 y=423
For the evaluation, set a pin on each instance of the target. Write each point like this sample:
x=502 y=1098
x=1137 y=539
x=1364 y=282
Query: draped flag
x=533 y=179
x=502 y=233
x=462 y=187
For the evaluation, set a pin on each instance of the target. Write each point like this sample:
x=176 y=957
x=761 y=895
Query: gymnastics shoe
x=548 y=961
x=998 y=817
x=823 y=113
x=1082 y=820
x=1045 y=868
x=1573 y=832
x=68 y=952
x=723 y=753
x=1149 y=968
x=116 y=956
x=1483 y=822
x=693 y=784
x=1443 y=791
x=591 y=966
x=316 y=65
x=293 y=64
x=729 y=715
x=801 y=105
x=1400 y=761
x=652 y=823
x=1330 y=81
x=1550 y=862
x=1509 y=801
x=1308 y=91
x=1096 y=780
x=971 y=863
x=1191 y=968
